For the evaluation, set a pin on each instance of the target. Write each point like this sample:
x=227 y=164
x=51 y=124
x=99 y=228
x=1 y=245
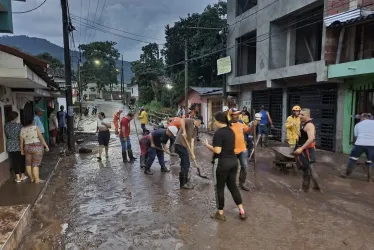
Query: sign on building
x=224 y=65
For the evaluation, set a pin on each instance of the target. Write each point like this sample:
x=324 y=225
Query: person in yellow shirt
x=227 y=112
x=143 y=117
x=244 y=117
x=293 y=126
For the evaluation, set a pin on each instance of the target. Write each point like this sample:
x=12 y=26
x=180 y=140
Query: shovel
x=171 y=154
x=196 y=165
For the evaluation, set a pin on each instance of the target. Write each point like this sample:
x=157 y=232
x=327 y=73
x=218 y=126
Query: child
x=143 y=142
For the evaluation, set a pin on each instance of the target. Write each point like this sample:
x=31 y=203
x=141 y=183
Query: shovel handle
x=190 y=152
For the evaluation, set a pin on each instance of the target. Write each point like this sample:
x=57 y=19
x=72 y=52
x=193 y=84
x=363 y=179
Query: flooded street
x=112 y=205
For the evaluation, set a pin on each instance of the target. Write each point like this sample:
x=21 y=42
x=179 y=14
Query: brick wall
x=337 y=6
x=367 y=4
x=331 y=45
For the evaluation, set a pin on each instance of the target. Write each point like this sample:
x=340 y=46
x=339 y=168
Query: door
x=27 y=113
x=272 y=99
x=323 y=105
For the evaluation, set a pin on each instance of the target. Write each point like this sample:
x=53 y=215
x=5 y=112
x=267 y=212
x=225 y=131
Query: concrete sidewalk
x=17 y=199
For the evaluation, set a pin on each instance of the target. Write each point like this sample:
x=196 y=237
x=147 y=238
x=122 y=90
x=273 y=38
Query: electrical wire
x=108 y=27
x=94 y=20
x=80 y=22
x=28 y=11
x=112 y=33
x=88 y=17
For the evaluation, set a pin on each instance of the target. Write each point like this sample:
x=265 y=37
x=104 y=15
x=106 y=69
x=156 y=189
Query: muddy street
x=112 y=205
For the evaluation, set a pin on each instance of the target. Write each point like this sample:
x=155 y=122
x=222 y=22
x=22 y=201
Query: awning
x=34 y=93
x=348 y=17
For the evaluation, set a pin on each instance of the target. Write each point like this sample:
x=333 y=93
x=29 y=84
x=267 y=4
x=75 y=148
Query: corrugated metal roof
x=205 y=90
x=347 y=17
x=353 y=21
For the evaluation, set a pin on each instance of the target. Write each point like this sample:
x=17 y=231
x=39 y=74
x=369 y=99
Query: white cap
x=225 y=108
x=258 y=116
x=173 y=130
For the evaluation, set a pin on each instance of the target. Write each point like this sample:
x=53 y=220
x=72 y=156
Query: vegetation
x=155 y=79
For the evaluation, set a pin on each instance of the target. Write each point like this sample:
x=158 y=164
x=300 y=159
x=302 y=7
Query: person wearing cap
x=116 y=119
x=265 y=121
x=124 y=137
x=157 y=146
x=240 y=147
x=252 y=125
x=183 y=141
x=364 y=143
x=227 y=112
x=293 y=126
x=143 y=118
x=38 y=120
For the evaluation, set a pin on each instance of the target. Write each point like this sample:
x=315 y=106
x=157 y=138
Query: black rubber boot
x=369 y=173
x=348 y=172
x=142 y=161
x=164 y=169
x=124 y=157
x=186 y=182
x=242 y=179
x=147 y=171
x=181 y=180
x=131 y=156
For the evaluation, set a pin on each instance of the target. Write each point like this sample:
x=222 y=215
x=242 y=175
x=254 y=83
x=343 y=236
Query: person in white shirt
x=103 y=126
x=364 y=143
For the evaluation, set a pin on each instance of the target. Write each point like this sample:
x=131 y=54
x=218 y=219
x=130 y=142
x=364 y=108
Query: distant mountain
x=35 y=46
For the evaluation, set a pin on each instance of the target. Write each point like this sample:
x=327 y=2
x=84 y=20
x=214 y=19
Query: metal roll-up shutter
x=323 y=105
x=272 y=99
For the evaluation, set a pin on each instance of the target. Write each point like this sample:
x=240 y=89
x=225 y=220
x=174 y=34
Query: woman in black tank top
x=225 y=165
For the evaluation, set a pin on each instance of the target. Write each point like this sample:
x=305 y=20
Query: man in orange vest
x=116 y=119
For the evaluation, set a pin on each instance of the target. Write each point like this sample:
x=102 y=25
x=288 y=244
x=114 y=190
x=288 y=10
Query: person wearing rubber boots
x=240 y=151
x=143 y=142
x=293 y=126
x=264 y=125
x=116 y=120
x=305 y=151
x=364 y=143
x=186 y=135
x=124 y=137
x=157 y=146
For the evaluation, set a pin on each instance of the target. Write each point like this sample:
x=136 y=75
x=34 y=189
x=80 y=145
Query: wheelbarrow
x=284 y=159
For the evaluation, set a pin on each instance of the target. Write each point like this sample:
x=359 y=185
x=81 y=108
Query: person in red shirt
x=144 y=148
x=124 y=137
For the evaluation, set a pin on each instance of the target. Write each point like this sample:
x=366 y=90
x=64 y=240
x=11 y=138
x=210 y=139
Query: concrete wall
x=260 y=21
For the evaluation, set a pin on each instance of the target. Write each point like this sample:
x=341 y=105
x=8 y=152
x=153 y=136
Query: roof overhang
x=34 y=93
x=348 y=17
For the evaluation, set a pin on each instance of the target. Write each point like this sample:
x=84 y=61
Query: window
x=132 y=90
x=246 y=51
x=244 y=5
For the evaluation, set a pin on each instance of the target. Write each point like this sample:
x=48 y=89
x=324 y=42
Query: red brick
x=337 y=6
x=367 y=4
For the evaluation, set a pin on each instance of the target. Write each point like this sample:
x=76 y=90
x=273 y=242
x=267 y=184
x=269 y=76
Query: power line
x=94 y=19
x=112 y=33
x=126 y=32
x=27 y=11
x=100 y=15
x=88 y=16
x=80 y=22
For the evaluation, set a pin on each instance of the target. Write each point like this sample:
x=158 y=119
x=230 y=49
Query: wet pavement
x=112 y=205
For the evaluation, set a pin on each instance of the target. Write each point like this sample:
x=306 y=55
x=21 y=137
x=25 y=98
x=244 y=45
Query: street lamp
x=169 y=86
x=97 y=62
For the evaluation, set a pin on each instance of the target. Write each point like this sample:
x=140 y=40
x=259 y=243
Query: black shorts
x=307 y=157
x=104 y=137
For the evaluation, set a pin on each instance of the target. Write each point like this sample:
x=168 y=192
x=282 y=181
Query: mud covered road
x=111 y=205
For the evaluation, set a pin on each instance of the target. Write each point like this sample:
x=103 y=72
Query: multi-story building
x=350 y=56
x=278 y=50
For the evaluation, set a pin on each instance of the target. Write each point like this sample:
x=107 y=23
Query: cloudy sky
x=143 y=17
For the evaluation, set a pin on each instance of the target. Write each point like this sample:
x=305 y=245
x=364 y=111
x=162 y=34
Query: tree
x=52 y=61
x=202 y=72
x=148 y=73
x=100 y=65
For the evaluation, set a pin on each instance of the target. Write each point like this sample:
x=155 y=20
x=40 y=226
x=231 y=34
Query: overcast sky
x=143 y=17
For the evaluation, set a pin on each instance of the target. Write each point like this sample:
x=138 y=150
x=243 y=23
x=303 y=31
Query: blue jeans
x=125 y=144
x=184 y=156
x=263 y=130
x=151 y=156
x=143 y=127
x=357 y=151
x=243 y=159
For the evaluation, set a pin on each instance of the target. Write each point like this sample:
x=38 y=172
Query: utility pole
x=69 y=94
x=224 y=90
x=186 y=77
x=80 y=87
x=122 y=82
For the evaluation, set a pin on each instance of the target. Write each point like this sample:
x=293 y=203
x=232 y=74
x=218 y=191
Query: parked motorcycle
x=86 y=111
x=94 y=110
